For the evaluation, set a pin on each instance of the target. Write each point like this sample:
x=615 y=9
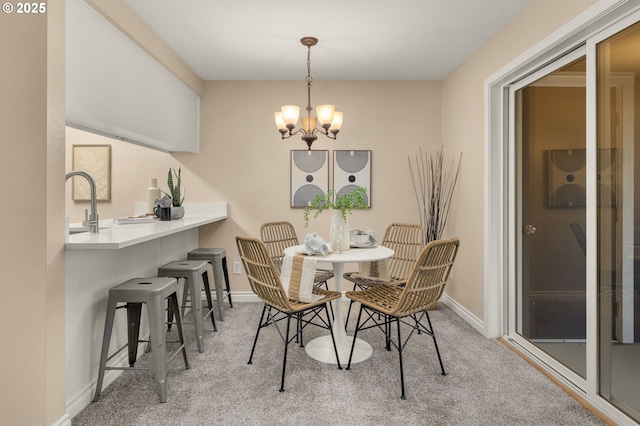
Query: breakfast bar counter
x=117 y=236
x=94 y=263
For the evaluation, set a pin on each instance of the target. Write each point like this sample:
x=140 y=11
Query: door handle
x=530 y=229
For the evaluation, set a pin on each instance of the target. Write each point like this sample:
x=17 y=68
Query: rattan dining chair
x=407 y=304
x=265 y=283
x=277 y=236
x=406 y=241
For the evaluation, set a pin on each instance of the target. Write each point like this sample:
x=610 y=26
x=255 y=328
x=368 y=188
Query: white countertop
x=117 y=236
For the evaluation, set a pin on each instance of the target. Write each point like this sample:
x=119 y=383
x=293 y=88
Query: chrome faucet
x=90 y=221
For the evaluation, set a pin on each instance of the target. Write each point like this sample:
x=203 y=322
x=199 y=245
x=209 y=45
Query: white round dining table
x=321 y=348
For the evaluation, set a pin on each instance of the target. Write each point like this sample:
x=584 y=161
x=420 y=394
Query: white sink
x=78 y=230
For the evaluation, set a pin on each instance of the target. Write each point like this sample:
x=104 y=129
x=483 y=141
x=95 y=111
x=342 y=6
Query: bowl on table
x=360 y=239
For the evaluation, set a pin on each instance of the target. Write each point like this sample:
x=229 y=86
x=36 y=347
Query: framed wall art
x=567 y=177
x=352 y=169
x=309 y=176
x=96 y=161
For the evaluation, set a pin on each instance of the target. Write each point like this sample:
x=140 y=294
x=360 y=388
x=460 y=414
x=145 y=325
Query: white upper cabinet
x=115 y=88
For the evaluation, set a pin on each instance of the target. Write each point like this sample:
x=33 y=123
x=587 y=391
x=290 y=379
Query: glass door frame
x=514 y=226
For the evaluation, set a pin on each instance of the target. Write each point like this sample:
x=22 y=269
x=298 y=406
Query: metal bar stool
x=193 y=271
x=217 y=257
x=135 y=292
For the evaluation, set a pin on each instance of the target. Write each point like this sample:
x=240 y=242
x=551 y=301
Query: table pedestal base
x=321 y=349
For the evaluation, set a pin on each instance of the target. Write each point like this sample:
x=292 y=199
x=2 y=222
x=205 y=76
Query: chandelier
x=287 y=118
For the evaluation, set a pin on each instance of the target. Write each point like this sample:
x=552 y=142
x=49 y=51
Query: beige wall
x=463 y=130
x=32 y=131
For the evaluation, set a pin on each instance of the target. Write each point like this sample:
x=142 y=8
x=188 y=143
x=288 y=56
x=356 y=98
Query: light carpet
x=486 y=383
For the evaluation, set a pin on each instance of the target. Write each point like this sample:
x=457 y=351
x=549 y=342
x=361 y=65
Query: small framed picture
x=350 y=170
x=96 y=161
x=309 y=176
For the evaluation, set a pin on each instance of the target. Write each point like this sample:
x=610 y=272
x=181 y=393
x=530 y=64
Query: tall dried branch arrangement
x=434 y=186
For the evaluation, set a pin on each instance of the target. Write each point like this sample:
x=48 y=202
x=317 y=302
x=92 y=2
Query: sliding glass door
x=574 y=145
x=550 y=158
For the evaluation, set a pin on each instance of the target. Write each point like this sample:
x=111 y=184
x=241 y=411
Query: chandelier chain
x=309 y=78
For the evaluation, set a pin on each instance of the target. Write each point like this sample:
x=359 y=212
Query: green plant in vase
x=175 y=192
x=346 y=203
x=342 y=206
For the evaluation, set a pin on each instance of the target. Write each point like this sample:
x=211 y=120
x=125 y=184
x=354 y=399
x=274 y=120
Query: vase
x=153 y=193
x=339 y=232
x=177 y=212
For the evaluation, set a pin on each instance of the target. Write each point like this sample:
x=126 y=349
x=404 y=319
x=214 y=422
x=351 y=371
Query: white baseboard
x=464 y=313
x=83 y=398
x=63 y=421
x=244 y=296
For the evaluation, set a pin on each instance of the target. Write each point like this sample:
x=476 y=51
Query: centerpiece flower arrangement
x=345 y=203
x=342 y=205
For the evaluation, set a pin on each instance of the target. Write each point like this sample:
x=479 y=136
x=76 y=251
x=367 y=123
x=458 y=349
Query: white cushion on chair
x=297 y=277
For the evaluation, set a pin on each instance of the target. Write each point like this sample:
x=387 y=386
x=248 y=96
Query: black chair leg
x=331 y=309
x=346 y=321
x=400 y=356
x=333 y=340
x=387 y=331
x=253 y=348
x=355 y=335
x=435 y=343
x=300 y=327
x=284 y=359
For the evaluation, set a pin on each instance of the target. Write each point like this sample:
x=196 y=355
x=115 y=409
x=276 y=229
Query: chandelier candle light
x=287 y=118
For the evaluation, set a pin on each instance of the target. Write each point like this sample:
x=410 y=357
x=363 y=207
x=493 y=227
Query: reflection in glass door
x=618 y=219
x=551 y=219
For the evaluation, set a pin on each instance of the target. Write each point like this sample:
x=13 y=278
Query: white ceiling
x=358 y=39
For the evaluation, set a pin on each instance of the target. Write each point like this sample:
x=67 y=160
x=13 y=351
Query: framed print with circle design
x=352 y=169
x=309 y=176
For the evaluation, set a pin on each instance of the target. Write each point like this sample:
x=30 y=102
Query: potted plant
x=177 y=211
x=342 y=206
